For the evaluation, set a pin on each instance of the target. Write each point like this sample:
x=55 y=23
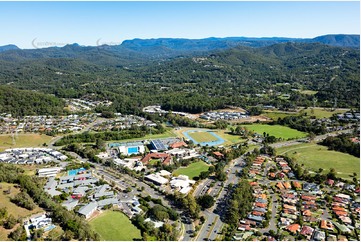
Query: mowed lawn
x=23 y=140
x=276 y=130
x=113 y=225
x=201 y=136
x=317 y=156
x=192 y=170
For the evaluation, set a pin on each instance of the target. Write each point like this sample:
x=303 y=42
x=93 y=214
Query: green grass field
x=321 y=112
x=229 y=138
x=153 y=161
x=23 y=140
x=277 y=131
x=192 y=170
x=317 y=156
x=308 y=92
x=202 y=136
x=275 y=115
x=112 y=225
x=167 y=134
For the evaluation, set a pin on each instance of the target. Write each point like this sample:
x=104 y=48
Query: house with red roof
x=178 y=145
x=165 y=158
x=307 y=231
x=293 y=228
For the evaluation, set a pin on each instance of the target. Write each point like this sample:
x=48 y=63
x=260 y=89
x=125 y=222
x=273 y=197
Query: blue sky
x=44 y=24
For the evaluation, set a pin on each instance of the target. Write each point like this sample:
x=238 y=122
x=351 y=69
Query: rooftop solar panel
x=158 y=145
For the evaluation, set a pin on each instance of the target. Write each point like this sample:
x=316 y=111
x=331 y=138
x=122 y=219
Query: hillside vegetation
x=21 y=102
x=240 y=76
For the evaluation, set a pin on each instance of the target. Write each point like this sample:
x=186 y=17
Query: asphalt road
x=273 y=222
x=302 y=141
x=202 y=187
x=213 y=224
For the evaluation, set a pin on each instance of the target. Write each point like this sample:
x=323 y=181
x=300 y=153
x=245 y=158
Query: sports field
x=276 y=130
x=317 y=156
x=23 y=140
x=192 y=170
x=201 y=136
x=112 y=225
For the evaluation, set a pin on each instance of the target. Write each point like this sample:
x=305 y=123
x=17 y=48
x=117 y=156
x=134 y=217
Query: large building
x=131 y=148
x=46 y=172
x=156 y=179
x=88 y=209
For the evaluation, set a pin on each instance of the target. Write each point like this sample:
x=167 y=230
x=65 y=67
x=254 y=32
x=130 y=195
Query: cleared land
x=13 y=209
x=201 y=136
x=317 y=156
x=308 y=92
x=275 y=115
x=112 y=225
x=322 y=113
x=318 y=112
x=277 y=131
x=23 y=140
x=192 y=170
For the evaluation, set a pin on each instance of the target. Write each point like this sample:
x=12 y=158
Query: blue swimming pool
x=132 y=150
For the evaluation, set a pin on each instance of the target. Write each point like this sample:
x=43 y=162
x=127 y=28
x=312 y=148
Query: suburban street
x=213 y=224
x=272 y=224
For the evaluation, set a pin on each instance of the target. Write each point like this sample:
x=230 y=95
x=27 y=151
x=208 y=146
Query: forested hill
x=207 y=44
x=8 y=47
x=241 y=76
x=20 y=103
x=137 y=50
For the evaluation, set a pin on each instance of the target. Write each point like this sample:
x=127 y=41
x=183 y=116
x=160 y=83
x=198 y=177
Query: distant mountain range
x=197 y=75
x=170 y=47
x=8 y=47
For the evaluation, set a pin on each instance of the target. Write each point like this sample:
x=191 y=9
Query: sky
x=45 y=24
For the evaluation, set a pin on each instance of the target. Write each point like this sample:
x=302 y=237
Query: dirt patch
x=252 y=119
x=95 y=214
